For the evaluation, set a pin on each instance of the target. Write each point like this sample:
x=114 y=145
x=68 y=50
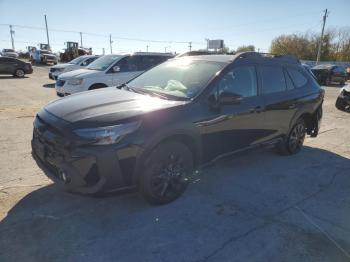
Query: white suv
x=108 y=70
x=77 y=63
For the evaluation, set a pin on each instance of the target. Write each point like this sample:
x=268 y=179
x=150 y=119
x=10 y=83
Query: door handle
x=292 y=106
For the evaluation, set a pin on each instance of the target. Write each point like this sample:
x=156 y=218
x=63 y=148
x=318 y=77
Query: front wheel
x=295 y=140
x=166 y=172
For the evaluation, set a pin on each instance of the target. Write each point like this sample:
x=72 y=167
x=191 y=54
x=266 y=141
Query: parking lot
x=255 y=206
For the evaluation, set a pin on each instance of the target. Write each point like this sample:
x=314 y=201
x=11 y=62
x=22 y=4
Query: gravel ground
x=255 y=206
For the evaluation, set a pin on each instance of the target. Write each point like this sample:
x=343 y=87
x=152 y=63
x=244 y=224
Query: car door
x=8 y=65
x=2 y=65
x=238 y=125
x=280 y=97
x=129 y=68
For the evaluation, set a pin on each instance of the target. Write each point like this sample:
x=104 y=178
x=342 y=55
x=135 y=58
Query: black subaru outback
x=155 y=130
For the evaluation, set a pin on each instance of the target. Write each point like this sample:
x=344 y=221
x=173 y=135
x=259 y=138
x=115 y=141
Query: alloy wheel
x=169 y=176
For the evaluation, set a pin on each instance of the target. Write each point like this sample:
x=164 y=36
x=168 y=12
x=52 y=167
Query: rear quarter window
x=298 y=78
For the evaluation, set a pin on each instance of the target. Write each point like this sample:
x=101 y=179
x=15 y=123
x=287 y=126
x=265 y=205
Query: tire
x=97 y=86
x=340 y=104
x=294 y=142
x=166 y=173
x=19 y=73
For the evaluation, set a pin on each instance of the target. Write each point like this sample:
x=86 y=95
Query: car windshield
x=9 y=50
x=183 y=77
x=77 y=60
x=103 y=62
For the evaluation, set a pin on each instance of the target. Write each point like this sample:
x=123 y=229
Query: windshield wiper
x=164 y=95
x=129 y=88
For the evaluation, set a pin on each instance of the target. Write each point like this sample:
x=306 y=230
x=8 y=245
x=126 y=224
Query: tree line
x=335 y=45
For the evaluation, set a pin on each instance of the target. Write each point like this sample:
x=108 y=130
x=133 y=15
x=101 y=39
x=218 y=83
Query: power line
x=103 y=35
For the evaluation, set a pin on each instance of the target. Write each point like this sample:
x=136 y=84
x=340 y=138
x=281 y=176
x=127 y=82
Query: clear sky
x=239 y=22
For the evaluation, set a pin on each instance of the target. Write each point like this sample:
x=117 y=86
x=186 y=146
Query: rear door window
x=298 y=78
x=272 y=79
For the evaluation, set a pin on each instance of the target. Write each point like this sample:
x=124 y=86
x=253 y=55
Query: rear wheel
x=295 y=140
x=19 y=73
x=166 y=172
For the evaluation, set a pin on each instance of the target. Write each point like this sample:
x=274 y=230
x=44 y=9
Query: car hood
x=106 y=105
x=10 y=53
x=80 y=73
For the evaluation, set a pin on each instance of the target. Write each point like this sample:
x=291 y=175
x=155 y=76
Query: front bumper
x=85 y=169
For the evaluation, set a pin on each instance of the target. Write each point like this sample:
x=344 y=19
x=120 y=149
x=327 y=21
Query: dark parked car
x=343 y=100
x=155 y=130
x=15 y=67
x=326 y=74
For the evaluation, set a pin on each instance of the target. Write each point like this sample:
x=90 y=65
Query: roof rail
x=153 y=53
x=256 y=55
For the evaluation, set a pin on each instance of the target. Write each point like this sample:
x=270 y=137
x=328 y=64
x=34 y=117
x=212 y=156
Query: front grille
x=60 y=83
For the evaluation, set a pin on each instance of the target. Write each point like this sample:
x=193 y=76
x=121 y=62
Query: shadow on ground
x=12 y=77
x=51 y=85
x=242 y=208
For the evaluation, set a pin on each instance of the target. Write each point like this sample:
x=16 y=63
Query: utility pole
x=47 y=33
x=147 y=48
x=81 y=39
x=103 y=51
x=11 y=33
x=110 y=42
x=190 y=46
x=321 y=40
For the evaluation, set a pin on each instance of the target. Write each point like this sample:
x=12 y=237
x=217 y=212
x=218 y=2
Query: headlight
x=108 y=134
x=75 y=81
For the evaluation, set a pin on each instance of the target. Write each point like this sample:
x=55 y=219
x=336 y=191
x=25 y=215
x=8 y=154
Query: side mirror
x=228 y=98
x=116 y=69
